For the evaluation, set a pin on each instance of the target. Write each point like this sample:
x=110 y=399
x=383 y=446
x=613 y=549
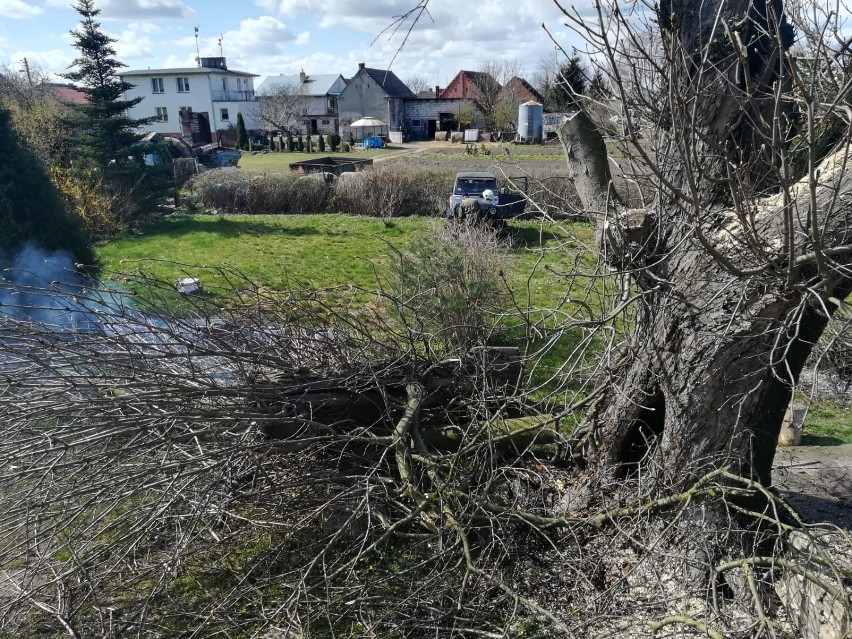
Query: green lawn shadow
x=226 y=228
x=821 y=440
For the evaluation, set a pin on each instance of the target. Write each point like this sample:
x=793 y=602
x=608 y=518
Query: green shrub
x=450 y=279
x=333 y=142
x=31 y=208
x=321 y=144
x=346 y=148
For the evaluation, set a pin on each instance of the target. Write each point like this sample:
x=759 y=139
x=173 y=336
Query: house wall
x=202 y=88
x=362 y=98
x=418 y=113
x=316 y=108
x=516 y=92
x=460 y=86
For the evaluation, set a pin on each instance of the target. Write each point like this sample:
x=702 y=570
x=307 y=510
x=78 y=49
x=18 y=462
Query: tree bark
x=719 y=340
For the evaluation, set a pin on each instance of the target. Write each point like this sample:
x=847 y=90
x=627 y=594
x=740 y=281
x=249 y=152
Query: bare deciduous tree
x=490 y=78
x=283 y=109
x=418 y=83
x=325 y=472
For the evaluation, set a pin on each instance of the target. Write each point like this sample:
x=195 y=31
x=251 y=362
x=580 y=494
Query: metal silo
x=530 y=122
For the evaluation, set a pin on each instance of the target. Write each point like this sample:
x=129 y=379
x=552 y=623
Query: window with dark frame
x=162 y=114
x=157 y=85
x=183 y=85
x=224 y=115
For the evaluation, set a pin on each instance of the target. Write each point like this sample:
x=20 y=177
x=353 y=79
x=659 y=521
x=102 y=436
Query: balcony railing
x=234 y=96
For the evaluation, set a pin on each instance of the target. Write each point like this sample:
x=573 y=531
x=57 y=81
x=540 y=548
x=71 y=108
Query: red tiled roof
x=69 y=94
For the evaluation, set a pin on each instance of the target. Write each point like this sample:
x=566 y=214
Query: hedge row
x=381 y=191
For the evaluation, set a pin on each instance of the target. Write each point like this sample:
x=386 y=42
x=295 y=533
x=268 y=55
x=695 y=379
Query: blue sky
x=268 y=37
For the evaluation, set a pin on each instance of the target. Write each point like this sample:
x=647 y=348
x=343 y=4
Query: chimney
x=437 y=91
x=361 y=65
x=303 y=76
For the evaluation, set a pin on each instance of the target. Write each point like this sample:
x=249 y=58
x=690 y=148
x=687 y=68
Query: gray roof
x=185 y=71
x=320 y=84
x=392 y=85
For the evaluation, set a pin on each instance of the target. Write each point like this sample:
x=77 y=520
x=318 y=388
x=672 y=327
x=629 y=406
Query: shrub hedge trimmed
x=385 y=190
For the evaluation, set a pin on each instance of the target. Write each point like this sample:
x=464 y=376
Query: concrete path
x=405 y=150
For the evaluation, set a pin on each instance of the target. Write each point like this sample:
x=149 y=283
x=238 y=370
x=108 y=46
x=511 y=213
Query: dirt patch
x=817 y=481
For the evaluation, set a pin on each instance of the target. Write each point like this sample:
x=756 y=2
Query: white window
x=157 y=85
x=417 y=124
x=183 y=85
x=326 y=121
x=223 y=114
x=162 y=114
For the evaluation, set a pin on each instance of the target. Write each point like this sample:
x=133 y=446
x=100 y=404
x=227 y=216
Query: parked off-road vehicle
x=477 y=194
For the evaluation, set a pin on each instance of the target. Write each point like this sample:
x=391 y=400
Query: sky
x=270 y=37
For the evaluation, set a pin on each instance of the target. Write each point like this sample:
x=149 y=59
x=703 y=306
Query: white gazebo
x=368 y=127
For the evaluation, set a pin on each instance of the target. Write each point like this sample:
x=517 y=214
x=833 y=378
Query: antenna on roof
x=197 y=51
x=221 y=37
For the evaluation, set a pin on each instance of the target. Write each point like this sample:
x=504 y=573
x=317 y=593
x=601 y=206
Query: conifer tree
x=571 y=81
x=242 y=134
x=30 y=207
x=105 y=131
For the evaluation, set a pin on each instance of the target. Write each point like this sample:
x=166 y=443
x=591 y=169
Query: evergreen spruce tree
x=598 y=88
x=571 y=81
x=242 y=134
x=321 y=144
x=106 y=133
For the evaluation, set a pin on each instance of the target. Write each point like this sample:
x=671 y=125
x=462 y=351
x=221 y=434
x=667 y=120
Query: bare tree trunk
x=720 y=338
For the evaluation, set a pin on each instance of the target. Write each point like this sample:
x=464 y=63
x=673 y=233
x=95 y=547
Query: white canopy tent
x=368 y=127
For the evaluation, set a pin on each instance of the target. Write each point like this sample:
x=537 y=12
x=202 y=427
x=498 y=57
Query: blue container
x=373 y=143
x=530 y=122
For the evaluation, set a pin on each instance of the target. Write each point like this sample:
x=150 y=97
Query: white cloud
x=145 y=10
x=135 y=41
x=303 y=38
x=53 y=62
x=18 y=9
x=444 y=40
x=253 y=40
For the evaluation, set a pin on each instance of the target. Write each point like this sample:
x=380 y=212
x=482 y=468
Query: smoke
x=48 y=305
x=43 y=288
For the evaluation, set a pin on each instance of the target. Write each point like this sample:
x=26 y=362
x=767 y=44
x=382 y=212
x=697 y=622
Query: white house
x=317 y=98
x=197 y=102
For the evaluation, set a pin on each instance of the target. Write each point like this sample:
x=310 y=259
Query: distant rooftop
x=392 y=85
x=313 y=85
x=185 y=71
x=68 y=94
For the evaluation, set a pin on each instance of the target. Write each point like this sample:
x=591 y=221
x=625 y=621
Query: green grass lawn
x=827 y=424
x=319 y=251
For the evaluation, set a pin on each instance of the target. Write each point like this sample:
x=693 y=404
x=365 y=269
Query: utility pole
x=27 y=71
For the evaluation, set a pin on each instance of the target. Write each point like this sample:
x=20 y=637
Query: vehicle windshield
x=474 y=186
